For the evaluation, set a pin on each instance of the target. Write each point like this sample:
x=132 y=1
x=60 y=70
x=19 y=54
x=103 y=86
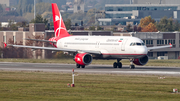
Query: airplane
x=87 y=48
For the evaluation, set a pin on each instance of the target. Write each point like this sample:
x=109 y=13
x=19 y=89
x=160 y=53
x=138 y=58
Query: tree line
x=148 y=24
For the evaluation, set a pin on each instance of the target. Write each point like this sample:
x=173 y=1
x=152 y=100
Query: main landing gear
x=78 y=66
x=118 y=64
x=131 y=64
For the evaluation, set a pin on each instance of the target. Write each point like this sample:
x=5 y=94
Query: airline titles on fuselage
x=81 y=39
x=112 y=40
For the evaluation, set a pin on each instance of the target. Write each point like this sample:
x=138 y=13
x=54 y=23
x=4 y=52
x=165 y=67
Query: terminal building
x=116 y=14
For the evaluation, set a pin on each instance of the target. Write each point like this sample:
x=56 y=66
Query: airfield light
x=175 y=90
x=72 y=85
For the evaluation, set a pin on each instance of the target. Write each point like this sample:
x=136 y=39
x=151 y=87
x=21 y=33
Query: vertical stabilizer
x=59 y=26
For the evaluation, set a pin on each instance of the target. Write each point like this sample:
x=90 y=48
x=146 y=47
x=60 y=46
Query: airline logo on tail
x=57 y=18
x=59 y=26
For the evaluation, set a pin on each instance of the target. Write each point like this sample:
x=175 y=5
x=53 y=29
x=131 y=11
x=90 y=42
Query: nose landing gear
x=131 y=64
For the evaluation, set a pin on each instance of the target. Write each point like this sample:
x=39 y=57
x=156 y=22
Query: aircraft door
x=97 y=44
x=123 y=44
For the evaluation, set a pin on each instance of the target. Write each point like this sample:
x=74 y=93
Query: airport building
x=23 y=33
x=8 y=3
x=116 y=14
x=155 y=1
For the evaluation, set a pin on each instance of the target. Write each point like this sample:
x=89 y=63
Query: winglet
x=5 y=45
x=171 y=45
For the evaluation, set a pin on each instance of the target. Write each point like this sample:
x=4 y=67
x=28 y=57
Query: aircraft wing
x=56 y=49
x=41 y=40
x=159 y=47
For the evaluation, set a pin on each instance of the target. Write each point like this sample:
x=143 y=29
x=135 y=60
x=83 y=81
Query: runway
x=99 y=69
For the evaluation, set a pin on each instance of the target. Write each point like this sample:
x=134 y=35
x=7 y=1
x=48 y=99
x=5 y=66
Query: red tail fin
x=59 y=26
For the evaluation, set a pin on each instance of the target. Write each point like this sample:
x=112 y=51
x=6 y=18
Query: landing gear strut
x=78 y=66
x=118 y=64
x=131 y=64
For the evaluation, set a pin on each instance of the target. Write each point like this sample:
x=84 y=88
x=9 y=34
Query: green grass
x=43 y=86
x=171 y=63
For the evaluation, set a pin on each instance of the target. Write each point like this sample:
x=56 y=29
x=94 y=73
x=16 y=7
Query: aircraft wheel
x=82 y=66
x=119 y=65
x=132 y=66
x=77 y=66
x=115 y=65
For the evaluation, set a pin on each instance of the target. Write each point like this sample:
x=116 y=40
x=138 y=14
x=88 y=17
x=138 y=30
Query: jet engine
x=141 y=61
x=83 y=59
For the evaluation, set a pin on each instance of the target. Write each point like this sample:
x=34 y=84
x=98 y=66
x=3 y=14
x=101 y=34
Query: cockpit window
x=132 y=44
x=137 y=44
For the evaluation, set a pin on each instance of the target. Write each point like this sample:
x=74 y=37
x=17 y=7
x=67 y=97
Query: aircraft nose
x=143 y=50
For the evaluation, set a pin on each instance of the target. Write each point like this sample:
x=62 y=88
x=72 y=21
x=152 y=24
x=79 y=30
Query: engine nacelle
x=141 y=61
x=83 y=59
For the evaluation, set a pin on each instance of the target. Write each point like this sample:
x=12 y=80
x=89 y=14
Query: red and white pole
x=72 y=85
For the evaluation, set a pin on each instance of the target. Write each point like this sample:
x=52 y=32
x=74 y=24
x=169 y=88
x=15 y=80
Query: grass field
x=43 y=86
x=172 y=63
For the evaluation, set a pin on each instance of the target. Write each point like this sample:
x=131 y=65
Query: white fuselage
x=110 y=46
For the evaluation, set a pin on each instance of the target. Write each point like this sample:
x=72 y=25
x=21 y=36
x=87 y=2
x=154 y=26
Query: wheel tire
x=132 y=66
x=77 y=66
x=82 y=66
x=115 y=65
x=119 y=65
